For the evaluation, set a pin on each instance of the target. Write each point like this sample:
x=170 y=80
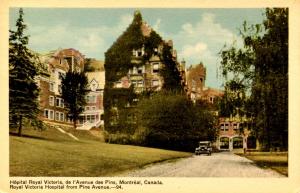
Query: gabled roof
x=212 y=92
x=98 y=77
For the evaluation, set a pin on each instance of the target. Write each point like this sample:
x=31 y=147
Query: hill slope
x=51 y=153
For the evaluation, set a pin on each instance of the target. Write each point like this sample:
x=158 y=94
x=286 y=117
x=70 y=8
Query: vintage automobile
x=204 y=148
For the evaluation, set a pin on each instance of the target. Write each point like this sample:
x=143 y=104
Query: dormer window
x=140 y=70
x=155 y=82
x=139 y=52
x=155 y=67
x=134 y=70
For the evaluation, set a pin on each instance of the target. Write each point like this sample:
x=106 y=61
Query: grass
x=51 y=153
x=276 y=161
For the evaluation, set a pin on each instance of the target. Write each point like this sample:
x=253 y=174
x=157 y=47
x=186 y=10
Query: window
x=226 y=126
x=155 y=67
x=87 y=108
x=93 y=108
x=46 y=113
x=235 y=126
x=222 y=127
x=139 y=53
x=134 y=70
x=49 y=114
x=140 y=83
x=62 y=117
x=51 y=100
x=51 y=86
x=201 y=80
x=155 y=83
x=57 y=116
x=59 y=89
x=134 y=83
x=92 y=118
x=211 y=99
x=140 y=70
x=91 y=99
x=60 y=102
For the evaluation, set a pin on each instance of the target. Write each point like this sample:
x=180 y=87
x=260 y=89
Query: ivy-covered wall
x=119 y=59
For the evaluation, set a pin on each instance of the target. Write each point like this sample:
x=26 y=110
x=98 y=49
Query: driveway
x=224 y=164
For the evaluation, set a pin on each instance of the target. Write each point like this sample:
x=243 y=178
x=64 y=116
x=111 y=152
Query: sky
x=198 y=34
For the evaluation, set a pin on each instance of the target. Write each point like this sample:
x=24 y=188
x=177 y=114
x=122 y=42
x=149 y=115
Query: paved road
x=223 y=164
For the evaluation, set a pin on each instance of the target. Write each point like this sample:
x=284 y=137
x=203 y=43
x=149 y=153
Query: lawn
x=275 y=160
x=51 y=153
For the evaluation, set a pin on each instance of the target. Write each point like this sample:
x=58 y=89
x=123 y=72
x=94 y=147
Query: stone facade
x=147 y=77
x=196 y=89
x=195 y=78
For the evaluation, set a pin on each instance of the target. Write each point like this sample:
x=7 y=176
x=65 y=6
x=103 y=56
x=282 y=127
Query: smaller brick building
x=234 y=133
x=57 y=63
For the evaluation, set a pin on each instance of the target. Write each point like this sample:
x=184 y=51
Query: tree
x=87 y=65
x=23 y=90
x=262 y=67
x=172 y=121
x=74 y=90
x=170 y=72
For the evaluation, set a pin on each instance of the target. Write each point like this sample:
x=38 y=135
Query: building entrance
x=237 y=142
x=224 y=143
